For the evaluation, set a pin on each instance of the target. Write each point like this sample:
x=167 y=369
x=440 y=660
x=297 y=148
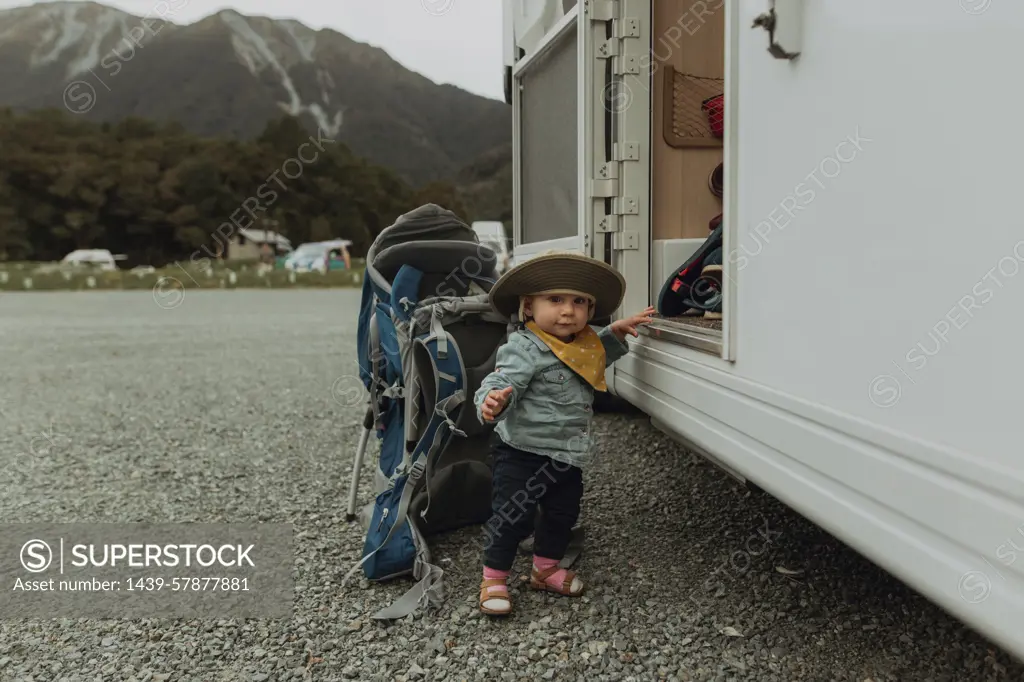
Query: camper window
x=548 y=144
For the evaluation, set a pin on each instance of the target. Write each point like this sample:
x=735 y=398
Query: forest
x=156 y=193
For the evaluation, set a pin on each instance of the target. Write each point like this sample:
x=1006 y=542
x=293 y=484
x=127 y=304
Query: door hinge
x=600 y=10
x=609 y=48
x=608 y=171
x=602 y=189
x=626 y=28
x=626 y=241
x=625 y=206
x=609 y=223
x=626 y=151
x=624 y=64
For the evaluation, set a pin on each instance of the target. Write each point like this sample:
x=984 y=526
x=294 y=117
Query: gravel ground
x=239 y=406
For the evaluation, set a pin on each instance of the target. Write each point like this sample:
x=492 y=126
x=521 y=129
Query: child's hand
x=621 y=327
x=494 y=403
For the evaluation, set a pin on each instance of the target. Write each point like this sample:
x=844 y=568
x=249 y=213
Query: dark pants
x=522 y=481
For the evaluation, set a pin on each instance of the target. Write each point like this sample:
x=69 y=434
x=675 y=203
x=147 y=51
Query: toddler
x=541 y=396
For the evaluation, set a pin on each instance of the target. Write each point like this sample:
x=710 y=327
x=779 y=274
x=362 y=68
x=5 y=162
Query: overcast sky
x=448 y=41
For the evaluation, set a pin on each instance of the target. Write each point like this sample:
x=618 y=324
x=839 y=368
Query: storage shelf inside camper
x=690 y=51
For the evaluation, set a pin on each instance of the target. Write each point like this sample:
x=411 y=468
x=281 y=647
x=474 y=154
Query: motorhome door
x=549 y=154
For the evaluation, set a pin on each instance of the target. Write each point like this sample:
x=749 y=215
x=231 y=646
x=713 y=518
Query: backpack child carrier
x=427 y=336
x=691 y=287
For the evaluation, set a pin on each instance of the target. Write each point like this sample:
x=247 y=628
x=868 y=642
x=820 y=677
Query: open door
x=548 y=126
x=580 y=125
x=617 y=63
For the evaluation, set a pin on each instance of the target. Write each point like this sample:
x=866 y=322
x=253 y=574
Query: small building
x=262 y=245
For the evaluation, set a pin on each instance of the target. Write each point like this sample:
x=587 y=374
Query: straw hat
x=565 y=271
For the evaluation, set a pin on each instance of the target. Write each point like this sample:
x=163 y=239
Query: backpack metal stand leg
x=358 y=464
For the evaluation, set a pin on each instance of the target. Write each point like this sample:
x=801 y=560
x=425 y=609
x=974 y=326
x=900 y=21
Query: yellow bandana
x=583 y=355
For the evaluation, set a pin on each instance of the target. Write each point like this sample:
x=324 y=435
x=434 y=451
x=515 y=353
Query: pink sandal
x=487 y=596
x=538 y=581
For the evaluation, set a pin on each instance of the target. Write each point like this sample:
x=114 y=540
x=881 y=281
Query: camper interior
x=687 y=179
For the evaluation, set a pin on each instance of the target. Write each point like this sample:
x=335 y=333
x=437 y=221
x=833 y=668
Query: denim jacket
x=550 y=410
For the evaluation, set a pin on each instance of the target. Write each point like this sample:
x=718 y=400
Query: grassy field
x=55 y=277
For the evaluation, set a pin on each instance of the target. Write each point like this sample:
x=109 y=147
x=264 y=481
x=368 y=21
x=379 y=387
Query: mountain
x=486 y=185
x=229 y=74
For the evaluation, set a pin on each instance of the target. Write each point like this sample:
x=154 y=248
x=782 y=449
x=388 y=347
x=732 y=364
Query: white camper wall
x=879 y=208
x=875 y=254
x=895 y=135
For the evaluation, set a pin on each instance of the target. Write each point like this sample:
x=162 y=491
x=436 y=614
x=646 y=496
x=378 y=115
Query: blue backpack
x=427 y=336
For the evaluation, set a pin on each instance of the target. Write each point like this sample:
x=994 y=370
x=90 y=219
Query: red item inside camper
x=714 y=107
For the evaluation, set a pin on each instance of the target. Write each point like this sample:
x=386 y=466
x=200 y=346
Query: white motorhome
x=862 y=369
x=101 y=259
x=492 y=234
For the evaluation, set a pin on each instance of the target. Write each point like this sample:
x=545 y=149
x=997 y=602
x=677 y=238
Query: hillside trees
x=157 y=193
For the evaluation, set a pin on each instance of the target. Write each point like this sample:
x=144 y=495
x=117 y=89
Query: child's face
x=560 y=314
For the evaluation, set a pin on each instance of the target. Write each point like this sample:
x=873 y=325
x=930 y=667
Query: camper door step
x=695 y=332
